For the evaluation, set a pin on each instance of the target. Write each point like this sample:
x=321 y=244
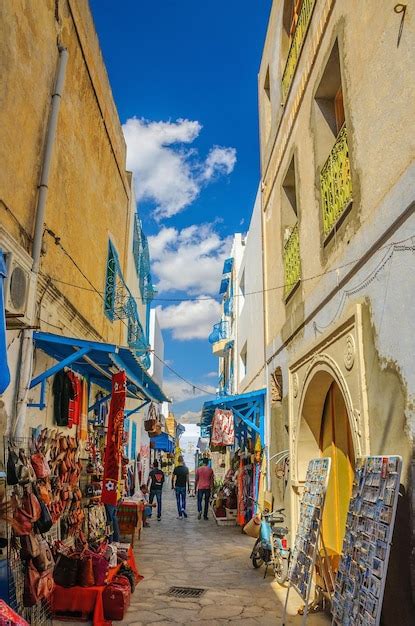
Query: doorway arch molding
x=321 y=372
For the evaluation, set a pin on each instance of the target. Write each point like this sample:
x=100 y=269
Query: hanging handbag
x=12 y=467
x=44 y=523
x=25 y=470
x=30 y=546
x=30 y=589
x=31 y=505
x=253 y=527
x=65 y=572
x=22 y=523
x=40 y=465
x=44 y=562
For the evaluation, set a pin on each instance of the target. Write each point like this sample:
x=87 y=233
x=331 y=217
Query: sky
x=184 y=79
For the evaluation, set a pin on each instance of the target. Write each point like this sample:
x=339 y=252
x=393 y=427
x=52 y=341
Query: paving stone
x=221 y=612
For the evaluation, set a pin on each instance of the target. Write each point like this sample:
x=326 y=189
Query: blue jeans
x=203 y=493
x=156 y=494
x=112 y=519
x=181 y=500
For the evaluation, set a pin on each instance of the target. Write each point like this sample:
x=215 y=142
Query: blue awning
x=248 y=409
x=97 y=361
x=163 y=442
x=4 y=368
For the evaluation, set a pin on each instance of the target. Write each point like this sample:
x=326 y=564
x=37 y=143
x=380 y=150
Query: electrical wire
x=212 y=298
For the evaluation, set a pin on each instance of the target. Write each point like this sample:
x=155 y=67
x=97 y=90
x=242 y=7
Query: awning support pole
x=41 y=404
x=137 y=408
x=99 y=402
x=58 y=366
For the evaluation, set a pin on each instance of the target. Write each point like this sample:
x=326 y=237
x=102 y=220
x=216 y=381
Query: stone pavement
x=201 y=554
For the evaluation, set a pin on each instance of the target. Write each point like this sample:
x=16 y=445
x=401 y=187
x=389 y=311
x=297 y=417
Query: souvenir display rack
x=306 y=546
x=361 y=577
x=41 y=613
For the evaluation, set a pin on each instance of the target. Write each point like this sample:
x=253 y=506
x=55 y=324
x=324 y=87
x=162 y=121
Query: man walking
x=180 y=483
x=204 y=485
x=156 y=482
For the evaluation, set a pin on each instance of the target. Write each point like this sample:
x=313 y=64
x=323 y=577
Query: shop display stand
x=41 y=613
x=305 y=551
x=360 y=581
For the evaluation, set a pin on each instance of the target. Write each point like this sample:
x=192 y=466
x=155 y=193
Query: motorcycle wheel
x=256 y=557
x=280 y=569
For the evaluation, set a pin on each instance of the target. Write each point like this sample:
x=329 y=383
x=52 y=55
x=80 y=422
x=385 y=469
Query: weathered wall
x=88 y=176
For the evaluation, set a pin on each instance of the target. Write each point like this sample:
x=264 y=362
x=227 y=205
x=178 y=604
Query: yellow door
x=336 y=443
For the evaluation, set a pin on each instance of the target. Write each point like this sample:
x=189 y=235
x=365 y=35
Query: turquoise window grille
x=119 y=304
x=133 y=451
x=142 y=262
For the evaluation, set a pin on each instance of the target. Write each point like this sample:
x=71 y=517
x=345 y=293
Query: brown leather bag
x=40 y=465
x=31 y=505
x=36 y=586
x=30 y=546
x=22 y=522
x=86 y=571
x=44 y=562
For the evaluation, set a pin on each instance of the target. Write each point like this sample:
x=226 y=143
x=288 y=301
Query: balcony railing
x=292 y=262
x=336 y=183
x=228 y=307
x=296 y=46
x=220 y=331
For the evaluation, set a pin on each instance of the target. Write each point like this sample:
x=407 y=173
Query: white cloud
x=190 y=320
x=219 y=161
x=212 y=375
x=189 y=260
x=166 y=172
x=190 y=417
x=179 y=391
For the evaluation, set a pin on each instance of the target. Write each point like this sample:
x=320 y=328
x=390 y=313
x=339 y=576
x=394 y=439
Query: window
x=290 y=233
x=276 y=387
x=266 y=107
x=331 y=145
x=243 y=360
x=242 y=291
x=110 y=283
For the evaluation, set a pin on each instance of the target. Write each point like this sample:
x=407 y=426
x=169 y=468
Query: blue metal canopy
x=4 y=368
x=163 y=442
x=248 y=407
x=97 y=361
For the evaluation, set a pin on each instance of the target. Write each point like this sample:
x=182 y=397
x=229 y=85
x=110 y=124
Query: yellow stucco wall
x=89 y=190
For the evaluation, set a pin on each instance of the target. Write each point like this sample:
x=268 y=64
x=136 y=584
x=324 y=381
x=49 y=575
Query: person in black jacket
x=156 y=482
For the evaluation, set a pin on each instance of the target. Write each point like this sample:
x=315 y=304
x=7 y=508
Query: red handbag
x=31 y=506
x=40 y=465
x=116 y=600
x=36 y=586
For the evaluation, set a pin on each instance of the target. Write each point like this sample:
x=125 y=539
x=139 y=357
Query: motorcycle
x=271 y=547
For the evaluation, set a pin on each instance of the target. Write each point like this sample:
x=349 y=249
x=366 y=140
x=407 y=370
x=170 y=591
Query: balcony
x=296 y=46
x=292 y=262
x=336 y=183
x=219 y=337
x=228 y=307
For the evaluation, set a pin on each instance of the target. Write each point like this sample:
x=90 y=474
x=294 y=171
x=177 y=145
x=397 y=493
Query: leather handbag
x=100 y=568
x=86 y=571
x=44 y=523
x=30 y=546
x=22 y=523
x=25 y=470
x=12 y=467
x=65 y=572
x=37 y=586
x=31 y=506
x=129 y=574
x=44 y=562
x=116 y=600
x=40 y=465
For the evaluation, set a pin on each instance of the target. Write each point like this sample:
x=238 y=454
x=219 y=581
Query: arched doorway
x=324 y=430
x=335 y=441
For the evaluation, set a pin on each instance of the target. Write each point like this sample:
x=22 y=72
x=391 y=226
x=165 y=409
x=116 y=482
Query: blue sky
x=184 y=79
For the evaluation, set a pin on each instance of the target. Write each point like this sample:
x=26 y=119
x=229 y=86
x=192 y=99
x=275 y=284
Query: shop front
x=66 y=479
x=234 y=426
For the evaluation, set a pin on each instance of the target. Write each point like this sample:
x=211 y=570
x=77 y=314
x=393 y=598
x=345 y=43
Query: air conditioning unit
x=19 y=283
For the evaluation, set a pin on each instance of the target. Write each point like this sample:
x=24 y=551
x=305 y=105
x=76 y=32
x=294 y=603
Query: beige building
x=338 y=174
x=67 y=210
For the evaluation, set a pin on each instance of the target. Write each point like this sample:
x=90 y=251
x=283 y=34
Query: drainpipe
x=25 y=373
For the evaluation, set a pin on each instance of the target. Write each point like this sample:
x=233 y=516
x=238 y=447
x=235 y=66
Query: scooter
x=271 y=547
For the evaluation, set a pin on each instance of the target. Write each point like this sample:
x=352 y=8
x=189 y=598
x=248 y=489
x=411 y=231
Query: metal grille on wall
x=336 y=183
x=120 y=304
x=142 y=262
x=292 y=261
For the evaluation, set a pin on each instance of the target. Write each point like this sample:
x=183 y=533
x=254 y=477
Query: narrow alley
x=193 y=553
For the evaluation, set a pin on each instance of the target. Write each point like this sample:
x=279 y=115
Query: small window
x=243 y=360
x=266 y=107
x=242 y=291
x=110 y=282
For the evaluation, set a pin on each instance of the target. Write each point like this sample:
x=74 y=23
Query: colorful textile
x=223 y=429
x=114 y=442
x=9 y=618
x=83 y=421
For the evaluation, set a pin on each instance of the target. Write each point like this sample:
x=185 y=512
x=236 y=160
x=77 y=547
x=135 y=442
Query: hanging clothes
x=83 y=421
x=63 y=394
x=223 y=428
x=75 y=402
